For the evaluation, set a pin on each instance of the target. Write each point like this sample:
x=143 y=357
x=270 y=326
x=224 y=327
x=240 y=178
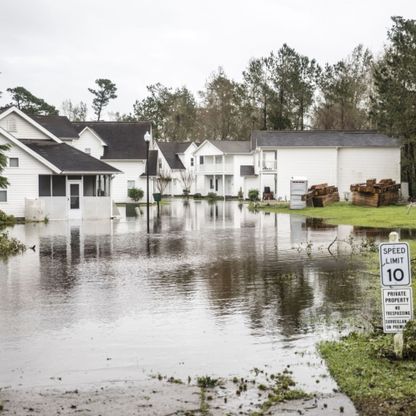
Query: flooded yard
x=214 y=290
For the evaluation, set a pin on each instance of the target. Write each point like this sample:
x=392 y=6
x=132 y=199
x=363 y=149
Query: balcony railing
x=215 y=168
x=269 y=165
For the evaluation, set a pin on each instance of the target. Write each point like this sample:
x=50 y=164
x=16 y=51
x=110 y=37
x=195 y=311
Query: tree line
x=284 y=90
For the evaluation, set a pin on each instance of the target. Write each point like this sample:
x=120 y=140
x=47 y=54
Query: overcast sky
x=57 y=48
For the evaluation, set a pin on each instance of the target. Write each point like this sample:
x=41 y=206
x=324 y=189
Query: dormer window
x=192 y=161
x=12 y=125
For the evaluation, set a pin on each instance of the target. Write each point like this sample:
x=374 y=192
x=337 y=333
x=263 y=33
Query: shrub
x=212 y=196
x=6 y=219
x=136 y=194
x=10 y=246
x=197 y=196
x=240 y=194
x=409 y=340
x=253 y=195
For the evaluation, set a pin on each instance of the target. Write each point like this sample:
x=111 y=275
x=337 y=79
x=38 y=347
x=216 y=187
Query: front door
x=74 y=192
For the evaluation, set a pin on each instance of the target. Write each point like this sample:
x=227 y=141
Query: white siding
x=23 y=180
x=24 y=130
x=356 y=165
x=131 y=172
x=89 y=140
x=318 y=165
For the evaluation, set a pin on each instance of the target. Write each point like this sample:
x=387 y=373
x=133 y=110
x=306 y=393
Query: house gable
x=89 y=139
x=23 y=126
x=207 y=149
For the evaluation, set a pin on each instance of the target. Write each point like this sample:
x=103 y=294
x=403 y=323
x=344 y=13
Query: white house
x=271 y=158
x=218 y=167
x=339 y=158
x=49 y=178
x=121 y=145
x=177 y=160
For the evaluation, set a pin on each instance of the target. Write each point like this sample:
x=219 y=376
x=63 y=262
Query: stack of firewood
x=321 y=195
x=375 y=194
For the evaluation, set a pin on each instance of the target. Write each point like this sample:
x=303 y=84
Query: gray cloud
x=57 y=49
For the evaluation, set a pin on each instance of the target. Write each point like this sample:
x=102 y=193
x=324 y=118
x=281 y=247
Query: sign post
x=396 y=293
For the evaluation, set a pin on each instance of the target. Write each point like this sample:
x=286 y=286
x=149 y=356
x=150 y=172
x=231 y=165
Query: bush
x=253 y=195
x=136 y=194
x=10 y=246
x=240 y=194
x=197 y=196
x=6 y=219
x=409 y=340
x=212 y=196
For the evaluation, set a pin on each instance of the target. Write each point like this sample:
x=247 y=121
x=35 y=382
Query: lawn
x=344 y=213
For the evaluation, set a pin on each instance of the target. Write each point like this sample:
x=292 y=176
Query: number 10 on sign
x=395 y=264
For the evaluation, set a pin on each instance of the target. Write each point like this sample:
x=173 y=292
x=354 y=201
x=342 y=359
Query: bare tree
x=163 y=181
x=187 y=179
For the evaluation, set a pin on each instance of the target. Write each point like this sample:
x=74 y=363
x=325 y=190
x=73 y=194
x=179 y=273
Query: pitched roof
x=325 y=138
x=170 y=151
x=68 y=158
x=247 y=170
x=125 y=140
x=153 y=156
x=232 y=146
x=60 y=126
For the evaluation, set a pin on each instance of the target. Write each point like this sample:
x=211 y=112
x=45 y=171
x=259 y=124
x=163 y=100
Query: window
x=130 y=185
x=201 y=160
x=216 y=185
x=11 y=125
x=192 y=161
x=3 y=196
x=87 y=150
x=211 y=184
x=58 y=185
x=44 y=185
x=14 y=162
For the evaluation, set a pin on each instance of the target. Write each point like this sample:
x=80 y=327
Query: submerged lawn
x=345 y=213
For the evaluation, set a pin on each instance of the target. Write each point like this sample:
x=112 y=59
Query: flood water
x=214 y=290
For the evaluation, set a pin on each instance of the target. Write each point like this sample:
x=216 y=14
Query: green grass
x=377 y=386
x=344 y=213
x=363 y=368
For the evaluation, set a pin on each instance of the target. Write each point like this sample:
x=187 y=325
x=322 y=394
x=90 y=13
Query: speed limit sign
x=395 y=264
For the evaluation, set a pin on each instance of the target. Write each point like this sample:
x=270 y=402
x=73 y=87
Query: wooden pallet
x=373 y=194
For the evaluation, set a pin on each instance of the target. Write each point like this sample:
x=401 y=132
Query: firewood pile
x=321 y=195
x=375 y=194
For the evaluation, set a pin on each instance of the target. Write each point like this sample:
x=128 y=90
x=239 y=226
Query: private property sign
x=395 y=276
x=397 y=308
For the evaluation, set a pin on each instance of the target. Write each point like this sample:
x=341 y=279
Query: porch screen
x=89 y=185
x=58 y=185
x=44 y=185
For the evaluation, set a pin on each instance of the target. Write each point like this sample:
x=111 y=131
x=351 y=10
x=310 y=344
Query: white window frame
x=12 y=124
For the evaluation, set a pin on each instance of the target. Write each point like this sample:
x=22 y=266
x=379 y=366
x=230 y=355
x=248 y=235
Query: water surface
x=215 y=289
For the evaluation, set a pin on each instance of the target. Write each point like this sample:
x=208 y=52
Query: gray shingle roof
x=247 y=170
x=153 y=157
x=170 y=151
x=125 y=140
x=67 y=158
x=232 y=146
x=60 y=126
x=326 y=138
